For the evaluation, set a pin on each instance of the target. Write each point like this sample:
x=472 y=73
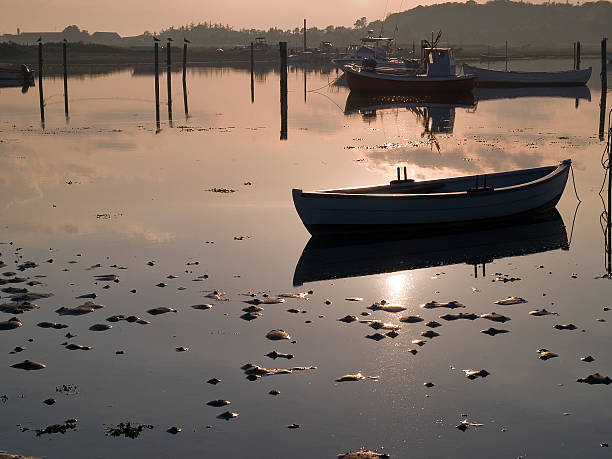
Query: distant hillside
x=497 y=21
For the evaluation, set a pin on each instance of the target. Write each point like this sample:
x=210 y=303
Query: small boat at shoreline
x=19 y=74
x=439 y=77
x=430 y=204
x=491 y=78
x=379 y=50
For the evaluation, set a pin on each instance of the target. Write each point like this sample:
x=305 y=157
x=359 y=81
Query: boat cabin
x=439 y=62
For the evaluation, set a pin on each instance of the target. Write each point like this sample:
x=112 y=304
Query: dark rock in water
x=218 y=403
x=588 y=358
x=565 y=327
x=436 y=304
x=142 y=322
x=227 y=415
x=30 y=296
x=363 y=454
x=69 y=335
x=293 y=426
x=413 y=351
x=14 y=290
x=77 y=347
x=10 y=324
x=253 y=309
x=493 y=331
x=429 y=384
x=160 y=310
x=510 y=301
x=429 y=334
x=595 y=378
x=161 y=284
x=473 y=374
x=433 y=324
x=461 y=315
x=545 y=354
x=49 y=401
x=119 y=352
x=85 y=308
x=248 y=316
x=127 y=430
x=115 y=318
x=132 y=319
x=376 y=336
x=28 y=365
x=133 y=291
x=214 y=381
x=57 y=428
x=419 y=342
x=293 y=311
x=347 y=319
x=202 y=306
x=392 y=334
x=87 y=295
x=276 y=335
x=274 y=392
x=174 y=430
x=17 y=308
x=100 y=327
x=182 y=349
x=51 y=325
x=495 y=317
x=542 y=312
x=27 y=265
x=411 y=319
x=18 y=349
x=279 y=355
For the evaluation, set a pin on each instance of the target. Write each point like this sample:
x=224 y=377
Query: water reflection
x=573 y=92
x=325 y=258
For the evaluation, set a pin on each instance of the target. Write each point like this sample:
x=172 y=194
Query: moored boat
x=21 y=74
x=439 y=77
x=431 y=203
x=487 y=77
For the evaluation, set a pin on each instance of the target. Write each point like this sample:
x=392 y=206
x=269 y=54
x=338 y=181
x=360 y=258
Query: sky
x=131 y=17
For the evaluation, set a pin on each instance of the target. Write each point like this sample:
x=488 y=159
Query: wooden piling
x=305 y=48
x=169 y=79
x=40 y=83
x=604 y=88
x=157 y=85
x=506 y=55
x=252 y=74
x=185 y=79
x=283 y=88
x=65 y=79
x=577 y=55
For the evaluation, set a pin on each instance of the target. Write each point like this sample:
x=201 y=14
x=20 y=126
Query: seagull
x=155 y=39
x=186 y=41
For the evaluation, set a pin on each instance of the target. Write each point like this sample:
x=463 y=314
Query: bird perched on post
x=155 y=39
x=186 y=41
x=39 y=39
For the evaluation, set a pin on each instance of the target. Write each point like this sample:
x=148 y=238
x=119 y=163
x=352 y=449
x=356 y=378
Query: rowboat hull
x=386 y=83
x=351 y=210
x=24 y=75
x=493 y=78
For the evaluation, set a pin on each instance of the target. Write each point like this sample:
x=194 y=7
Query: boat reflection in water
x=325 y=258
x=561 y=92
x=436 y=112
x=16 y=84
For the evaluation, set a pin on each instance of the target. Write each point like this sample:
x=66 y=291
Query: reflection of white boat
x=436 y=111
x=326 y=258
x=504 y=78
x=569 y=92
x=432 y=203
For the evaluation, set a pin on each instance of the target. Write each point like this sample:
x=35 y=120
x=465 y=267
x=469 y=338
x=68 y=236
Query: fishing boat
x=420 y=205
x=377 y=49
x=20 y=74
x=439 y=77
x=342 y=256
x=506 y=78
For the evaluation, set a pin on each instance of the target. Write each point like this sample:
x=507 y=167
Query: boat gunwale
x=342 y=192
x=411 y=78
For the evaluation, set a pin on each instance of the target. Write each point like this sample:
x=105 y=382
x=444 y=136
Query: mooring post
x=169 y=78
x=65 y=79
x=506 y=55
x=574 y=66
x=604 y=88
x=157 y=84
x=305 y=48
x=252 y=76
x=283 y=88
x=185 y=41
x=40 y=83
x=184 y=61
x=577 y=55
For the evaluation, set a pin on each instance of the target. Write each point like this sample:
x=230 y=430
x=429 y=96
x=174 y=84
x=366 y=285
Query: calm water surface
x=107 y=187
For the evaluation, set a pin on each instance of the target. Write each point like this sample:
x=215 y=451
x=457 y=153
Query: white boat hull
x=342 y=62
x=501 y=78
x=341 y=210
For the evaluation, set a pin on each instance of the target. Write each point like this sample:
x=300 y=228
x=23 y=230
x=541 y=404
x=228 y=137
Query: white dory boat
x=502 y=78
x=431 y=203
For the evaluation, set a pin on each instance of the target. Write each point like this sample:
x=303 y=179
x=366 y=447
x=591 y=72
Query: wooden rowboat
x=431 y=204
x=502 y=78
x=21 y=74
